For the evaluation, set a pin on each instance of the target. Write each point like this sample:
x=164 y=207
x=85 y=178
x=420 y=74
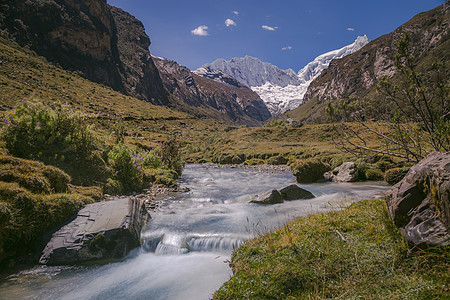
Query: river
x=189 y=240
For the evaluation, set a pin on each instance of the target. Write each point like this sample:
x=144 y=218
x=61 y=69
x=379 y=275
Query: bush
x=127 y=167
x=392 y=176
x=55 y=135
x=309 y=170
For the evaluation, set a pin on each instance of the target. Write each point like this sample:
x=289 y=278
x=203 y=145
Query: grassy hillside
x=356 y=253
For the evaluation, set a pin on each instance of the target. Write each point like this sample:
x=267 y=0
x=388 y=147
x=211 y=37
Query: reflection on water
x=189 y=240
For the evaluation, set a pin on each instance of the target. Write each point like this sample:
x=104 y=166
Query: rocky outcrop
x=347 y=172
x=288 y=193
x=101 y=231
x=140 y=75
x=84 y=36
x=357 y=74
x=420 y=203
x=217 y=95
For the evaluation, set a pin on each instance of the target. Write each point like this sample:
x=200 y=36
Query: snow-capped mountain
x=281 y=90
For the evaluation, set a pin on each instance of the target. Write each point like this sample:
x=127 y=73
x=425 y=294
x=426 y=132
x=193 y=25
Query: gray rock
x=419 y=204
x=288 y=193
x=101 y=231
x=293 y=192
x=269 y=197
x=347 y=172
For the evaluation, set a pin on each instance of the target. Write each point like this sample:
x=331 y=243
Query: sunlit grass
x=356 y=253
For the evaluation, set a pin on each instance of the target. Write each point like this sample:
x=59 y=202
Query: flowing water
x=189 y=240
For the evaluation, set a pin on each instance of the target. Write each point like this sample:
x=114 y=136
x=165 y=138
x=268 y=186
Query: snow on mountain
x=281 y=90
x=253 y=72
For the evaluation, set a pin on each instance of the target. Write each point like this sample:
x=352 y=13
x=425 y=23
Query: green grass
x=356 y=253
x=34 y=198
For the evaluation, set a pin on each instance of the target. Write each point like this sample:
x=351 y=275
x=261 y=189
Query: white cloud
x=286 y=48
x=235 y=12
x=230 y=22
x=265 y=27
x=351 y=29
x=200 y=30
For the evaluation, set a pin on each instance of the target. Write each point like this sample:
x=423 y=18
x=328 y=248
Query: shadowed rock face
x=140 y=75
x=420 y=203
x=219 y=97
x=104 y=44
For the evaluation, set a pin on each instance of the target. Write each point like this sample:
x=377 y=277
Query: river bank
x=189 y=239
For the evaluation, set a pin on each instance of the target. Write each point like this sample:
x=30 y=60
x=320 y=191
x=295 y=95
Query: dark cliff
x=83 y=35
x=356 y=75
x=140 y=75
x=223 y=98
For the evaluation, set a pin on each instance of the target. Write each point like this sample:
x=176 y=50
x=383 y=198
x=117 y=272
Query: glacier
x=281 y=90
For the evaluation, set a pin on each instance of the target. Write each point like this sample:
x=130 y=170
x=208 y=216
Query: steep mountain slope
x=281 y=90
x=83 y=36
x=218 y=95
x=357 y=74
x=140 y=76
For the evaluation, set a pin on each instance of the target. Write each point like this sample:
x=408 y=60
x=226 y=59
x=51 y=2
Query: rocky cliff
x=357 y=74
x=140 y=75
x=103 y=43
x=218 y=95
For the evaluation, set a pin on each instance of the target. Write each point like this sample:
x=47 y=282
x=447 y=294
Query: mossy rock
x=392 y=176
x=310 y=170
x=277 y=160
x=254 y=162
x=374 y=174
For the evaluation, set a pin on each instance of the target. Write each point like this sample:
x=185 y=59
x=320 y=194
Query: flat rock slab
x=100 y=231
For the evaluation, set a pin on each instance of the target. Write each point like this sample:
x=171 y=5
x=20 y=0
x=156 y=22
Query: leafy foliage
x=56 y=135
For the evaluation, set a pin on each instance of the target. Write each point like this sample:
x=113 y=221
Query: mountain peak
x=281 y=90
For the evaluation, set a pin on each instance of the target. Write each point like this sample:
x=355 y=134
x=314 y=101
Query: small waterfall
x=177 y=243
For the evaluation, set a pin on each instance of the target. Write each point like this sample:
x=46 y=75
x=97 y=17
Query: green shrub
x=113 y=187
x=392 y=176
x=55 y=135
x=309 y=170
x=127 y=167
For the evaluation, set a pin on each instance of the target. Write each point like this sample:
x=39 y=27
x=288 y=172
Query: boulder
x=101 y=231
x=269 y=197
x=288 y=193
x=293 y=192
x=347 y=172
x=419 y=204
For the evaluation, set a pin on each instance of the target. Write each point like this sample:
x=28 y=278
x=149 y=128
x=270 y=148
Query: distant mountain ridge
x=281 y=90
x=215 y=95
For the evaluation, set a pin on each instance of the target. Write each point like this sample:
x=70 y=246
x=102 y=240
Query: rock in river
x=101 y=231
x=288 y=193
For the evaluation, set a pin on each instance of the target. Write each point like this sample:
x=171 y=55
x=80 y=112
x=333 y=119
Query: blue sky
x=286 y=33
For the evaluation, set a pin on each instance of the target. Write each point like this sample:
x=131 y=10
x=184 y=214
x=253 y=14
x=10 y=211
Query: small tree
x=414 y=110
